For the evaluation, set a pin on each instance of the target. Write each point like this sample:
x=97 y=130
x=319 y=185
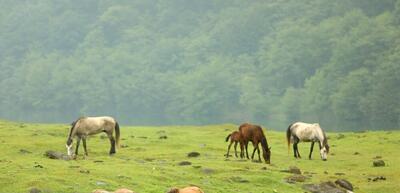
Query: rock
x=340 y=136
x=239 y=179
x=378 y=157
x=295 y=178
x=184 y=163
x=100 y=183
x=374 y=179
x=57 y=155
x=356 y=153
x=34 y=190
x=294 y=170
x=197 y=167
x=163 y=137
x=84 y=171
x=24 y=151
x=193 y=154
x=379 y=163
x=123 y=190
x=340 y=174
x=38 y=166
x=98 y=161
x=324 y=187
x=344 y=184
x=264 y=168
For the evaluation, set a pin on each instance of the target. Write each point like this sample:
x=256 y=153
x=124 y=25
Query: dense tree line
x=203 y=62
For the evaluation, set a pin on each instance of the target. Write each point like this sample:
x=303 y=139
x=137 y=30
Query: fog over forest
x=178 y=62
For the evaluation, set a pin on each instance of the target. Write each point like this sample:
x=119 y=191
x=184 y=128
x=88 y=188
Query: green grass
x=150 y=164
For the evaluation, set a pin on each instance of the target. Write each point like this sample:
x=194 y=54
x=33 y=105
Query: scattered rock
x=197 y=167
x=100 y=191
x=324 y=187
x=185 y=163
x=193 y=154
x=163 y=137
x=340 y=174
x=38 y=166
x=101 y=183
x=208 y=171
x=374 y=179
x=379 y=163
x=340 y=136
x=24 y=151
x=84 y=171
x=34 y=190
x=356 y=153
x=344 y=184
x=57 y=155
x=295 y=178
x=294 y=170
x=239 y=179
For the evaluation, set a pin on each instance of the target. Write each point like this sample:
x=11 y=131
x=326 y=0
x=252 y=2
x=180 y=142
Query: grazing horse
x=255 y=134
x=85 y=126
x=236 y=137
x=300 y=131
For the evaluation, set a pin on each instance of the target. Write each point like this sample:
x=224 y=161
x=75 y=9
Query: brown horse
x=236 y=138
x=255 y=134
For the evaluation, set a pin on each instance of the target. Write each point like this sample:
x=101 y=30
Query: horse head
x=68 y=145
x=324 y=150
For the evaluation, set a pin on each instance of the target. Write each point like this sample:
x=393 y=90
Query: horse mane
x=73 y=125
x=325 y=141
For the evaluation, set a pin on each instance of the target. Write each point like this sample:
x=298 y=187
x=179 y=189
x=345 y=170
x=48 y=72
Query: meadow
x=147 y=164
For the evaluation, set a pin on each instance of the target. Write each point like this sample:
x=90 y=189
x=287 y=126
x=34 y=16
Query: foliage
x=188 y=62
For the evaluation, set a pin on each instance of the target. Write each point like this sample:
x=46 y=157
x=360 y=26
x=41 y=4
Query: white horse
x=86 y=126
x=300 y=131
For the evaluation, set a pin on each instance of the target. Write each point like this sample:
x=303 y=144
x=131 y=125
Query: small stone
x=344 y=184
x=100 y=183
x=84 y=171
x=356 y=153
x=185 y=163
x=379 y=163
x=339 y=174
x=193 y=154
x=163 y=137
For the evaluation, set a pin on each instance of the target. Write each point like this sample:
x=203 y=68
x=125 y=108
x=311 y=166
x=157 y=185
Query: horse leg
x=311 y=149
x=298 y=153
x=78 y=141
x=236 y=148
x=254 y=150
x=84 y=145
x=258 y=151
x=229 y=147
x=112 y=141
x=241 y=150
x=247 y=151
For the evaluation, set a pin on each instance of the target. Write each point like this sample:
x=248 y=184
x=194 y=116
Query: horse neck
x=264 y=143
x=322 y=138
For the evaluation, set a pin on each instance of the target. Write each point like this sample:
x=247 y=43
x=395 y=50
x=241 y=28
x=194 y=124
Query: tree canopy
x=159 y=62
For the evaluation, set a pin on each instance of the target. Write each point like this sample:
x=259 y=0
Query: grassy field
x=150 y=165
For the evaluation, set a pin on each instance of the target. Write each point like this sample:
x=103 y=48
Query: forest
x=180 y=62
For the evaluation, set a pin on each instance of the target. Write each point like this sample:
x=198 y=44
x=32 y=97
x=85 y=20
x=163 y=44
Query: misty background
x=173 y=62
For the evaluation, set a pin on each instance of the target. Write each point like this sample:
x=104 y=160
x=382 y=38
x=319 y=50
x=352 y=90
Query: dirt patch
x=295 y=178
x=56 y=155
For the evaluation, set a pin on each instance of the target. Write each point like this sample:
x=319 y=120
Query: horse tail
x=227 y=137
x=117 y=134
x=288 y=135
